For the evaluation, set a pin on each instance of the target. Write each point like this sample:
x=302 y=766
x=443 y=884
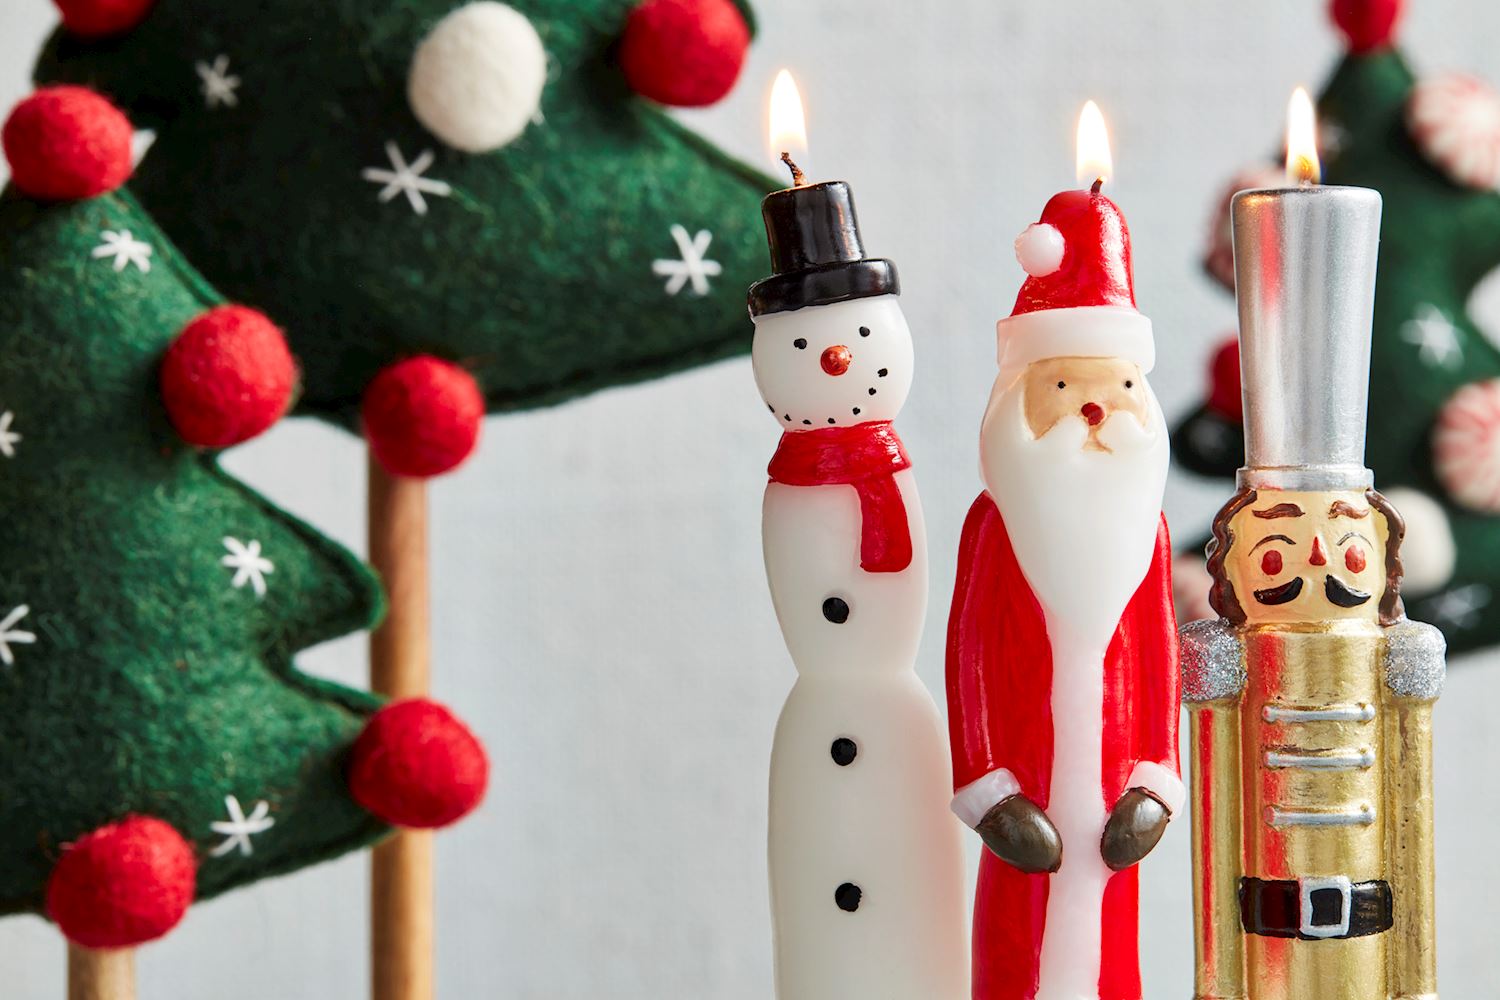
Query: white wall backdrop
x=600 y=610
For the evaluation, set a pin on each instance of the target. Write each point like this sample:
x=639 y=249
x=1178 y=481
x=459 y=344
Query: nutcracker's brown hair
x=1226 y=603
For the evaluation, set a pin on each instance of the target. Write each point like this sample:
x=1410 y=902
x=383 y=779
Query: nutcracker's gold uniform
x=1311 y=695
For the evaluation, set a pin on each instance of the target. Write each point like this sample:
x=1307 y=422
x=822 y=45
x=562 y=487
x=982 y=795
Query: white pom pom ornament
x=1455 y=120
x=476 y=80
x=1466 y=446
x=1040 y=249
x=1429 y=553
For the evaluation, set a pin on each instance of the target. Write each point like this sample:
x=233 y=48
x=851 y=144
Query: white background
x=600 y=610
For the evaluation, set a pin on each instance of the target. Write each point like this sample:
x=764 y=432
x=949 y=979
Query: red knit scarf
x=867 y=457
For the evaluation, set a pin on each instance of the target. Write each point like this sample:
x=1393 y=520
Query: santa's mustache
x=1337 y=591
x=1120 y=431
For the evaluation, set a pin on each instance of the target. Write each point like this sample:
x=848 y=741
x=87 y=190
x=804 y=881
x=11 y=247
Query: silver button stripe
x=1351 y=760
x=1361 y=815
x=1360 y=712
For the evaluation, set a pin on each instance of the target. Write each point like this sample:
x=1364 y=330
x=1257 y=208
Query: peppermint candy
x=1466 y=446
x=1455 y=122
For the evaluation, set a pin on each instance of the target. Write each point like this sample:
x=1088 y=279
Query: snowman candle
x=866 y=862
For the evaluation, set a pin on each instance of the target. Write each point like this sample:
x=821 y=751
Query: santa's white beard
x=1082 y=522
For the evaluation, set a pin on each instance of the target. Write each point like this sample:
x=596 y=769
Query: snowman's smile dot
x=883 y=372
x=872 y=390
x=807 y=422
x=800 y=343
x=770 y=407
x=847 y=897
x=832 y=421
x=864 y=331
x=787 y=417
x=856 y=411
x=843 y=751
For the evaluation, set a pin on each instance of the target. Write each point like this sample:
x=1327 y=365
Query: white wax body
x=882 y=821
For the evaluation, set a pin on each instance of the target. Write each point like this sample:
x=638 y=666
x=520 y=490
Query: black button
x=836 y=610
x=1327 y=907
x=843 y=751
x=847 y=896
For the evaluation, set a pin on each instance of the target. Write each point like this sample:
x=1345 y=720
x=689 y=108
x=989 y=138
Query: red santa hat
x=1079 y=297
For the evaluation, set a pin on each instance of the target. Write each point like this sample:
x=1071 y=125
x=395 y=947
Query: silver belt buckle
x=1306 y=887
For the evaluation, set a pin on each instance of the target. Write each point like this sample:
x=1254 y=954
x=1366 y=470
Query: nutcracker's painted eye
x=1354 y=559
x=1062 y=385
x=1270 y=563
x=800 y=343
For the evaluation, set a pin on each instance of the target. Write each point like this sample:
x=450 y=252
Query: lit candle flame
x=1302 y=166
x=788 y=133
x=1095 y=164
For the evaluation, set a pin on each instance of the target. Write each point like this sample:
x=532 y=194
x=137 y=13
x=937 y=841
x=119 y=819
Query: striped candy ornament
x=1455 y=121
x=1466 y=446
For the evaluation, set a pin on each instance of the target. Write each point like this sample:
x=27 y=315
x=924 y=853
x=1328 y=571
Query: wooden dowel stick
x=401 y=923
x=101 y=975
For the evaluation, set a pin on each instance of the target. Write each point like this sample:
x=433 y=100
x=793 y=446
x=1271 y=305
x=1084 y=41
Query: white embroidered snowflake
x=12 y=636
x=8 y=437
x=1435 y=337
x=239 y=828
x=404 y=178
x=125 y=249
x=248 y=564
x=693 y=267
x=219 y=85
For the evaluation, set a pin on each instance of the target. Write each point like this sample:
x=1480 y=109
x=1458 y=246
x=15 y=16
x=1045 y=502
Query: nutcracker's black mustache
x=1340 y=593
x=1280 y=595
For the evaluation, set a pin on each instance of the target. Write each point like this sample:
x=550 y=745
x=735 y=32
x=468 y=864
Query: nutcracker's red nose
x=835 y=360
x=1318 y=557
x=1093 y=413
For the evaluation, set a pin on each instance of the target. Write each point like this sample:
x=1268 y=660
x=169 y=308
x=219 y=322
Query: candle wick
x=1098 y=183
x=798 y=178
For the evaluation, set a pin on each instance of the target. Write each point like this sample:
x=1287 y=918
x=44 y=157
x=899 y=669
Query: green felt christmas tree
x=495 y=185
x=1431 y=147
x=157 y=744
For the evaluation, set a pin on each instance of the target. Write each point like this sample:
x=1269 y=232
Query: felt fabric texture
x=421 y=416
x=150 y=605
x=67 y=142
x=1438 y=240
x=686 y=53
x=543 y=267
x=227 y=377
x=123 y=884
x=416 y=765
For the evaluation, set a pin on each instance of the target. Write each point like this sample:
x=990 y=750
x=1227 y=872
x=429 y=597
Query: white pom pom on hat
x=476 y=79
x=1040 y=249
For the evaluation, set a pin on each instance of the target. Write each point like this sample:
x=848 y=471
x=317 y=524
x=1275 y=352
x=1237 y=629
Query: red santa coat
x=1000 y=716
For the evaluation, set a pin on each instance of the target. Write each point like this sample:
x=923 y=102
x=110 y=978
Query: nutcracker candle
x=1311 y=695
x=1062 y=669
x=866 y=863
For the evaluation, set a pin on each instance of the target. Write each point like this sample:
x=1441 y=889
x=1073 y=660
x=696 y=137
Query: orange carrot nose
x=1093 y=413
x=1318 y=557
x=835 y=360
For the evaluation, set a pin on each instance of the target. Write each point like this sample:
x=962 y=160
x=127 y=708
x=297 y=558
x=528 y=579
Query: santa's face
x=833 y=366
x=1298 y=556
x=1092 y=388
x=1077 y=473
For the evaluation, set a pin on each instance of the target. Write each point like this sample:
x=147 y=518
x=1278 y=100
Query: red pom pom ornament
x=686 y=53
x=123 y=884
x=67 y=143
x=417 y=765
x=422 y=416
x=1367 y=25
x=101 y=18
x=1224 y=397
x=227 y=377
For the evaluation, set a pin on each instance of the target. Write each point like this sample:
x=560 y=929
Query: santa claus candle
x=1062 y=674
x=866 y=862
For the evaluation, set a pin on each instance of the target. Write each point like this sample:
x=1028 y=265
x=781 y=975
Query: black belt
x=1314 y=909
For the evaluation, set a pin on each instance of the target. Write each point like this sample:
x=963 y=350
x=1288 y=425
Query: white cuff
x=972 y=801
x=1159 y=781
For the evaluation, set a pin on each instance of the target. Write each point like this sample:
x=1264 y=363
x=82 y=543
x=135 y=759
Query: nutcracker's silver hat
x=1304 y=262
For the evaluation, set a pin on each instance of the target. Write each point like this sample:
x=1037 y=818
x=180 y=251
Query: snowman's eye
x=476 y=79
x=864 y=331
x=800 y=343
x=1129 y=384
x=1062 y=385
